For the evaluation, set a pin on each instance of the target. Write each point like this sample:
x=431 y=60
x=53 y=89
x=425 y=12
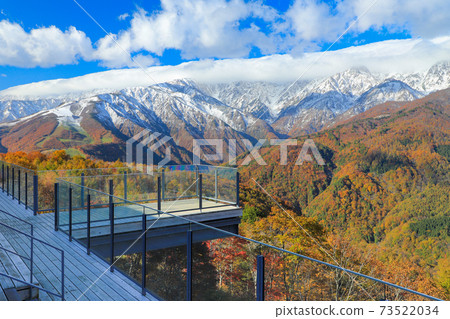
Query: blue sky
x=49 y=39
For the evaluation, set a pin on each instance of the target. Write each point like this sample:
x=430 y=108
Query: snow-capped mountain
x=12 y=109
x=436 y=78
x=185 y=109
x=259 y=99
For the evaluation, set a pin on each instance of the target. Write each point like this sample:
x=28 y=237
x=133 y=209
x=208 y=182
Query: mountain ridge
x=186 y=110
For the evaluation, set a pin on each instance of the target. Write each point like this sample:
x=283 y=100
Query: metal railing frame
x=13 y=178
x=260 y=289
x=14 y=170
x=31 y=258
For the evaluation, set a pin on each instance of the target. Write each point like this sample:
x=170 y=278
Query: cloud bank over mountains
x=221 y=29
x=387 y=57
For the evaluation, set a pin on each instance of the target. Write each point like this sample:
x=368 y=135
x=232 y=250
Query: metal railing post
x=82 y=191
x=196 y=178
x=12 y=182
x=88 y=224
x=200 y=189
x=260 y=278
x=189 y=266
x=159 y=194
x=144 y=252
x=70 y=213
x=26 y=190
x=237 y=188
x=7 y=180
x=56 y=206
x=35 y=194
x=3 y=178
x=111 y=219
x=18 y=186
x=163 y=184
x=216 y=189
x=125 y=185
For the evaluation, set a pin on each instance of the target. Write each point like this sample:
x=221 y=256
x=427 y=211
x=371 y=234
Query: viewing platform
x=104 y=213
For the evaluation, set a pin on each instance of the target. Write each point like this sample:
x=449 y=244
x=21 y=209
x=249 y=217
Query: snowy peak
x=389 y=90
x=255 y=98
x=353 y=82
x=437 y=77
x=434 y=79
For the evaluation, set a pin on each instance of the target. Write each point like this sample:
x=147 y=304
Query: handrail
x=13 y=252
x=189 y=221
x=106 y=175
x=11 y=215
x=34 y=238
x=80 y=169
x=198 y=165
x=31 y=258
x=22 y=167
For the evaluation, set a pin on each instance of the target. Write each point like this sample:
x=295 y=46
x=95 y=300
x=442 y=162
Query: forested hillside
x=384 y=188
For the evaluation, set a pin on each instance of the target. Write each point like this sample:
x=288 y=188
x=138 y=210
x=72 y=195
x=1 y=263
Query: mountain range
x=99 y=123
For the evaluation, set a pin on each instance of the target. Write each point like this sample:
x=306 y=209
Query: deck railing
x=34 y=188
x=18 y=182
x=35 y=244
x=218 y=185
x=177 y=258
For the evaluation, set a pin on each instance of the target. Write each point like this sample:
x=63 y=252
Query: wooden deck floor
x=86 y=276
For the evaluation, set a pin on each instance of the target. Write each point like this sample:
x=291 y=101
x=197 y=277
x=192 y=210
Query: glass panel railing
x=166 y=258
x=224 y=266
x=226 y=185
x=138 y=187
x=29 y=199
x=130 y=186
x=128 y=246
x=47 y=178
x=176 y=184
x=79 y=213
x=100 y=225
x=17 y=181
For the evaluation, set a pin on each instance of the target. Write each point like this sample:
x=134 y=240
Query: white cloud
x=124 y=16
x=43 y=47
x=405 y=56
x=202 y=29
x=3 y=75
x=428 y=18
x=313 y=21
x=221 y=29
